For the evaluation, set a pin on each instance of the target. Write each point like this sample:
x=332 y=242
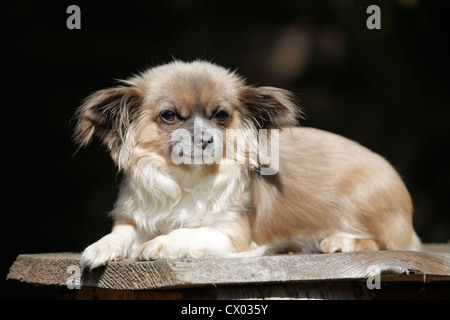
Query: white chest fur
x=159 y=201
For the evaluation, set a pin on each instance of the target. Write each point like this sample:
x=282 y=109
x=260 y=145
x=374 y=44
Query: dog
x=213 y=167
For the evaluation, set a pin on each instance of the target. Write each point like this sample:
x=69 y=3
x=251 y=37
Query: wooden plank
x=52 y=269
x=437 y=247
x=314 y=267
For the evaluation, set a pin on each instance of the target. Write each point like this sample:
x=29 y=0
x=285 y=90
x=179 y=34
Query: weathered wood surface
x=52 y=269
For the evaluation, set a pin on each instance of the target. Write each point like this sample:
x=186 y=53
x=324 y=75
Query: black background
x=387 y=89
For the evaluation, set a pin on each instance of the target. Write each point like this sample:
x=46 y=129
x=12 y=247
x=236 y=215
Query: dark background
x=387 y=89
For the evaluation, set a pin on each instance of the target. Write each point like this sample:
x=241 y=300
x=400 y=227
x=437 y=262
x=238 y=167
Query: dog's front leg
x=112 y=247
x=187 y=243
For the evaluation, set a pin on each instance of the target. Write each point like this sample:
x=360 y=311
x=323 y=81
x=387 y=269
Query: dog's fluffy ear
x=269 y=107
x=108 y=114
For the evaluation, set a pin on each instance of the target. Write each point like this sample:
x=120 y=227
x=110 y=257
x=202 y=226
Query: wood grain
x=51 y=269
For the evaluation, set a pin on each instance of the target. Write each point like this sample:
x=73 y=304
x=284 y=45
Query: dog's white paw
x=166 y=247
x=186 y=243
x=108 y=248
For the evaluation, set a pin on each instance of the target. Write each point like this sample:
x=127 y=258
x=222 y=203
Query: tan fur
x=329 y=194
x=329 y=184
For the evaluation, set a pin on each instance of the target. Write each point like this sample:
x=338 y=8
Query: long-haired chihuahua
x=215 y=167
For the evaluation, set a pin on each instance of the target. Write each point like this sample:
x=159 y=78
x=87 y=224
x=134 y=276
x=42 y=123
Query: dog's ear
x=269 y=107
x=108 y=114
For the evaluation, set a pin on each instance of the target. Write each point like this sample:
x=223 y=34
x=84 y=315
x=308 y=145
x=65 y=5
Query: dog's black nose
x=205 y=139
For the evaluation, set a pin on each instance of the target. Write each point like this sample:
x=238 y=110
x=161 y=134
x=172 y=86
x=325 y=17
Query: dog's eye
x=221 y=117
x=169 y=117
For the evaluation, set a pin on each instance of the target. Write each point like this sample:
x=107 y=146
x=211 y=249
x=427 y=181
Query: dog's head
x=182 y=114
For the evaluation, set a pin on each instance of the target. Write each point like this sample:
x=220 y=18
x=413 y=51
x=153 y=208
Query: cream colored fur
x=328 y=194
